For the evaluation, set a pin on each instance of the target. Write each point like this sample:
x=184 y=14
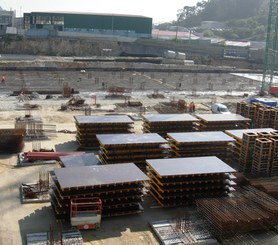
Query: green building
x=106 y=24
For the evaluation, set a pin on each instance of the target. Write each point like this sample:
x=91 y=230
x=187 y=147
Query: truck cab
x=219 y=108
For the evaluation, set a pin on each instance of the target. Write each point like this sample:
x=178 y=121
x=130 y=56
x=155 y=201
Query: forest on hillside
x=244 y=19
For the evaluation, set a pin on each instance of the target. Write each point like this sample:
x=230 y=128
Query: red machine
x=85 y=213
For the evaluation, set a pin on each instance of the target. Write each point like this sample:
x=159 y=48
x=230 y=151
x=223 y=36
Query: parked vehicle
x=219 y=108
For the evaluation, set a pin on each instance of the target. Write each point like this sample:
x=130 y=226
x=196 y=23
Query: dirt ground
x=17 y=219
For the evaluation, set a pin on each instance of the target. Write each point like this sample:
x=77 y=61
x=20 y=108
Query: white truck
x=219 y=108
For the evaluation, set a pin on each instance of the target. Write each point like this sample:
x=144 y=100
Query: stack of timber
x=11 y=140
x=221 y=122
x=168 y=123
x=238 y=135
x=121 y=148
x=87 y=159
x=201 y=144
x=179 y=181
x=120 y=188
x=247 y=210
x=89 y=126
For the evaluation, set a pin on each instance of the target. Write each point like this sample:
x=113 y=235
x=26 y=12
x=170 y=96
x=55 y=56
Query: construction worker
x=3 y=80
x=192 y=107
x=21 y=97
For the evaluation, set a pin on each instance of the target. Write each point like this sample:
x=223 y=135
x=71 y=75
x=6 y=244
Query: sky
x=159 y=10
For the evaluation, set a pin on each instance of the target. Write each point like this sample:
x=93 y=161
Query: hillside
x=245 y=19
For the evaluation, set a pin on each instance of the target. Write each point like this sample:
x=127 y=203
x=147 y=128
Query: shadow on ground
x=112 y=227
x=67 y=146
x=38 y=221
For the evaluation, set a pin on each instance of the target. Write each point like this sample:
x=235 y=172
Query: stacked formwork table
x=120 y=188
x=179 y=181
x=136 y=148
x=221 y=122
x=168 y=123
x=89 y=126
x=201 y=144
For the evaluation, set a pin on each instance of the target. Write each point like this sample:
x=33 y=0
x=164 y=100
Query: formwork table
x=89 y=126
x=180 y=181
x=169 y=118
x=221 y=122
x=238 y=133
x=98 y=175
x=119 y=148
x=222 y=118
x=200 y=137
x=120 y=188
x=166 y=123
x=87 y=159
x=130 y=139
x=200 y=143
x=102 y=119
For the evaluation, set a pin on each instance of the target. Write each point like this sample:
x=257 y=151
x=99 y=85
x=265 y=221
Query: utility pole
x=270 y=47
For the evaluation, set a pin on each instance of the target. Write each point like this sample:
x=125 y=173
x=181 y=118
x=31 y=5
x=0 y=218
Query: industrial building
x=98 y=24
x=7 y=19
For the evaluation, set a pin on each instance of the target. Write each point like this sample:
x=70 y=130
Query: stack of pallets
x=247 y=152
x=168 y=123
x=120 y=188
x=274 y=155
x=221 y=122
x=89 y=126
x=121 y=148
x=250 y=111
x=238 y=135
x=240 y=107
x=262 y=116
x=201 y=144
x=274 y=118
x=179 y=181
x=261 y=164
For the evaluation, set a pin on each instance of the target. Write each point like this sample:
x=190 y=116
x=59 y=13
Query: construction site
x=111 y=156
x=138 y=150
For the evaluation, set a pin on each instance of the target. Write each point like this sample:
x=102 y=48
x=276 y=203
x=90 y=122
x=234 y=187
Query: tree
x=242 y=17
